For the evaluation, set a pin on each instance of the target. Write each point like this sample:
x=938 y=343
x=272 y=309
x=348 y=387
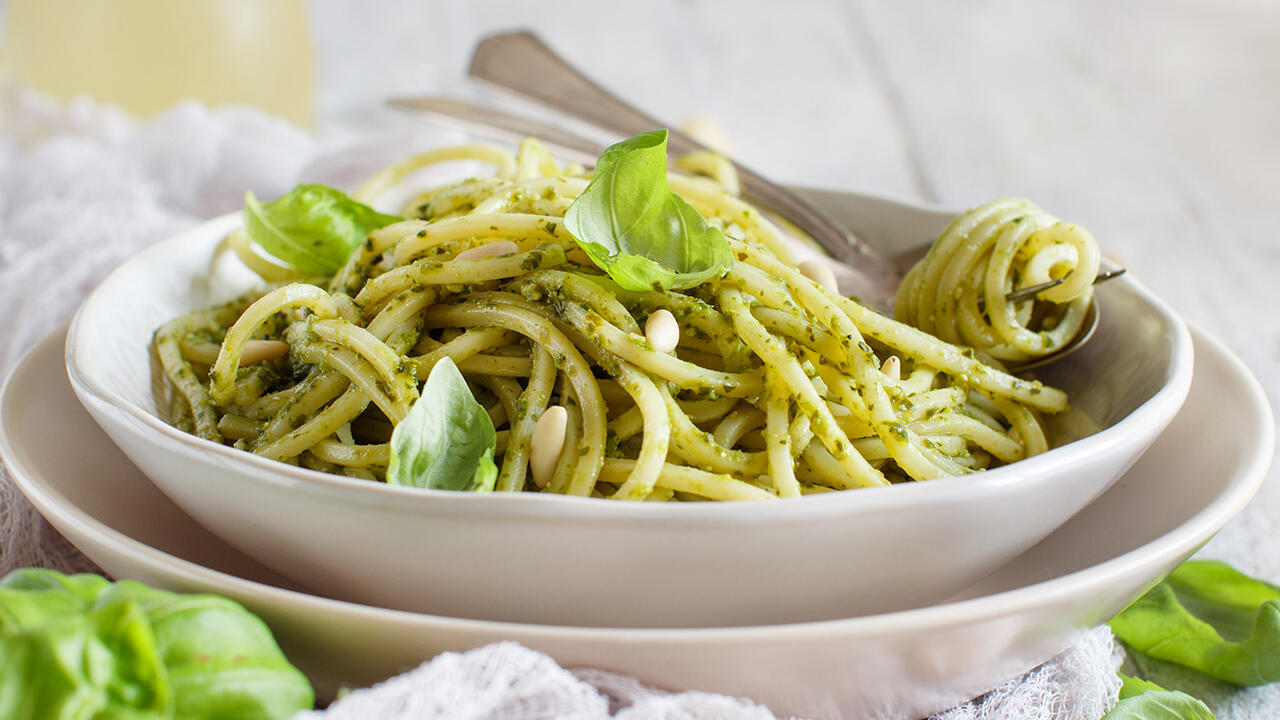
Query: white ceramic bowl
x=1194 y=478
x=578 y=561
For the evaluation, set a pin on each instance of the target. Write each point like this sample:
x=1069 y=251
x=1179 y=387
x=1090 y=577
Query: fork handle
x=522 y=63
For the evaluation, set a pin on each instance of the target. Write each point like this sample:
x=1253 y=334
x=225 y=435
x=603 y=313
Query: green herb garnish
x=636 y=229
x=78 y=646
x=447 y=440
x=314 y=228
x=1209 y=617
x=1143 y=700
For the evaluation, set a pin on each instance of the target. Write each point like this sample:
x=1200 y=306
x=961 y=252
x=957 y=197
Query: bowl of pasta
x=614 y=397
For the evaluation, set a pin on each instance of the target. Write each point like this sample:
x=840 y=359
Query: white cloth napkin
x=506 y=681
x=83 y=187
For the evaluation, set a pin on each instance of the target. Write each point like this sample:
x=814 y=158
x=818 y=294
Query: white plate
x=550 y=559
x=903 y=664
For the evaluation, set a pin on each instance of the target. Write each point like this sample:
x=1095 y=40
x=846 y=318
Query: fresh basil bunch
x=1209 y=617
x=77 y=647
x=1206 y=616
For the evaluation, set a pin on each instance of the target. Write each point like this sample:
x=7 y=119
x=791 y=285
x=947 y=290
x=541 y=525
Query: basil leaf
x=313 y=228
x=1143 y=700
x=221 y=660
x=1130 y=686
x=1209 y=617
x=639 y=232
x=92 y=663
x=30 y=597
x=79 y=647
x=447 y=440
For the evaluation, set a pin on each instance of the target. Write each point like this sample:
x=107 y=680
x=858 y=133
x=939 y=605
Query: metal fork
x=521 y=63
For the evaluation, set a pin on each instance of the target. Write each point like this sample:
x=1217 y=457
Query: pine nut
x=256 y=351
x=547 y=443
x=493 y=249
x=662 y=331
x=892 y=367
x=819 y=273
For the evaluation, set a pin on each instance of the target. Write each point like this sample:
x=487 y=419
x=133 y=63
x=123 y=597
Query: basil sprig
x=1211 y=618
x=314 y=228
x=77 y=646
x=636 y=229
x=447 y=440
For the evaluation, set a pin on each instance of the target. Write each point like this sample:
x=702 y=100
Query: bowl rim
x=1180 y=540
x=1157 y=410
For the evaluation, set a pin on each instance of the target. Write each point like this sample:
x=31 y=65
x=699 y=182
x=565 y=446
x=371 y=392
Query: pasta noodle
x=957 y=291
x=777 y=386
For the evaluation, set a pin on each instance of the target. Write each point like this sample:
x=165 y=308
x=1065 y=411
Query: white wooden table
x=1152 y=124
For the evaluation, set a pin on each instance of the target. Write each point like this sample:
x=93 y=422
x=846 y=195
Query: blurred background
x=1150 y=123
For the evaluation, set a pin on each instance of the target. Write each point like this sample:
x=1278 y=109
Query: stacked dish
x=781 y=603
x=544 y=558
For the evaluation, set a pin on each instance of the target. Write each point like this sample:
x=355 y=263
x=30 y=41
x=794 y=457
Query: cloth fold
x=506 y=681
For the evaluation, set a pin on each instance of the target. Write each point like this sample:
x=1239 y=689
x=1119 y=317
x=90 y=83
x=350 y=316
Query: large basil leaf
x=638 y=231
x=79 y=648
x=313 y=228
x=1209 y=617
x=1143 y=700
x=94 y=663
x=30 y=597
x=221 y=660
x=447 y=440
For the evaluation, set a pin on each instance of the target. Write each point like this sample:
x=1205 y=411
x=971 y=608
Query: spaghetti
x=776 y=386
x=958 y=290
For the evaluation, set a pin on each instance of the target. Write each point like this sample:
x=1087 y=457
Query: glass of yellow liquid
x=146 y=55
